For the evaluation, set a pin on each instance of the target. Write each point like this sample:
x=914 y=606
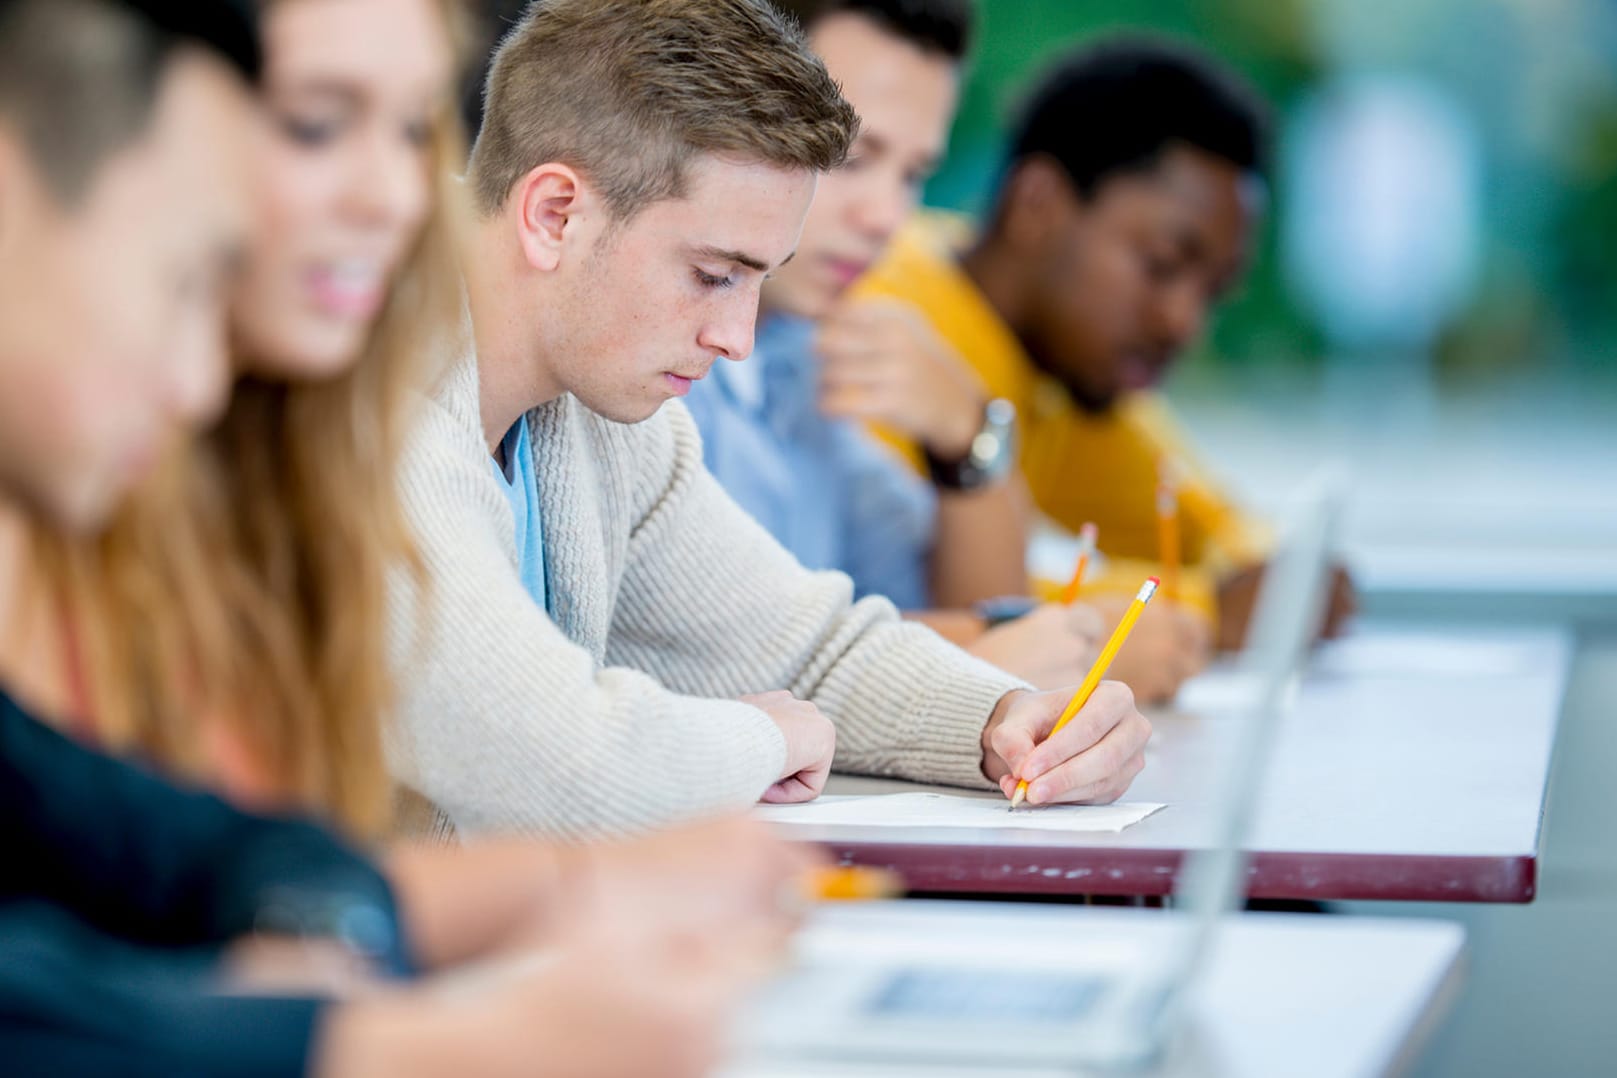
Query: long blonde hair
x=248 y=583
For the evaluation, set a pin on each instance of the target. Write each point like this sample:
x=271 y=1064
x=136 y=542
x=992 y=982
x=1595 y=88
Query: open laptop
x=948 y=984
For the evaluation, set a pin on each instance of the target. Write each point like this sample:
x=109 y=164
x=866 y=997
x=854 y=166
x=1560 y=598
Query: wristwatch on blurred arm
x=990 y=458
x=1004 y=608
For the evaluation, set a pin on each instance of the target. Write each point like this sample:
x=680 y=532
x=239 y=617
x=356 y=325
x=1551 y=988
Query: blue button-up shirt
x=831 y=494
x=520 y=485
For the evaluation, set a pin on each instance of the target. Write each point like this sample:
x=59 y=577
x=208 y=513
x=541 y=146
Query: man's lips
x=1140 y=370
x=681 y=383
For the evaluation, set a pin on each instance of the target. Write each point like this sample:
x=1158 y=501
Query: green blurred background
x=1537 y=79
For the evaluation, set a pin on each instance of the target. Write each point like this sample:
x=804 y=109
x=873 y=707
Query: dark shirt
x=117 y=889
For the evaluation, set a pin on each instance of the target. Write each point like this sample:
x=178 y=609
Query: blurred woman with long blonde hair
x=256 y=566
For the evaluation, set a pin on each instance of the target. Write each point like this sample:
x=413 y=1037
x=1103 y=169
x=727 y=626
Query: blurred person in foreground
x=152 y=930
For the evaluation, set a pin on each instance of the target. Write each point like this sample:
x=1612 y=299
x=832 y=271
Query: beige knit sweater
x=617 y=711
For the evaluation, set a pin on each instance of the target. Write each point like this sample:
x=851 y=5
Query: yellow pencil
x=1086 y=550
x=1168 y=530
x=1098 y=671
x=852 y=883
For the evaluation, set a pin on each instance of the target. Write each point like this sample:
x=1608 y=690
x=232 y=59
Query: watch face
x=991 y=454
x=986 y=448
x=992 y=449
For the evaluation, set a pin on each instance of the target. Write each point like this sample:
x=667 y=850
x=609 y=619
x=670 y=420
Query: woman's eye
x=419 y=133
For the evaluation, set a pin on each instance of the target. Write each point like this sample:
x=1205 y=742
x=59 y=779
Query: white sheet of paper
x=952 y=810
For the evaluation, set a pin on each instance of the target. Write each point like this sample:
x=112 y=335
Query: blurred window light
x=1382 y=222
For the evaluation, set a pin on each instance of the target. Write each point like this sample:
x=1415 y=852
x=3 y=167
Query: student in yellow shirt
x=1125 y=214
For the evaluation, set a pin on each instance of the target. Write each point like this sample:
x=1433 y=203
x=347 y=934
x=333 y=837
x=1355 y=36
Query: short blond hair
x=629 y=92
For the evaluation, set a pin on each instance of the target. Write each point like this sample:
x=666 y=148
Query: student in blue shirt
x=781 y=443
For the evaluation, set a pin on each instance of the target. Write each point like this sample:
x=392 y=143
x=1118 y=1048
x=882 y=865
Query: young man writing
x=782 y=430
x=1125 y=215
x=598 y=605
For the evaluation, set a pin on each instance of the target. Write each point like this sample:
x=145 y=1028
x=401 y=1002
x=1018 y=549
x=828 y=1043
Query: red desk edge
x=1070 y=870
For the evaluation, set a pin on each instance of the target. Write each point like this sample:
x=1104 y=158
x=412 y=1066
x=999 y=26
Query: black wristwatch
x=992 y=452
x=358 y=923
x=1004 y=608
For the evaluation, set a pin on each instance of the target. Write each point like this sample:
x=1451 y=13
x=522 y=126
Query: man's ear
x=1037 y=195
x=547 y=202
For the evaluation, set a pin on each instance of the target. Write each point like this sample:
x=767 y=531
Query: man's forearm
x=980 y=546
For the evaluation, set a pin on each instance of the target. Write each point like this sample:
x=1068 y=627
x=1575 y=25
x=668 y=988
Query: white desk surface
x=1281 y=996
x=1403 y=783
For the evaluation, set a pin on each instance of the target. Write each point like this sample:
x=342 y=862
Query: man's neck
x=511 y=373
x=997 y=274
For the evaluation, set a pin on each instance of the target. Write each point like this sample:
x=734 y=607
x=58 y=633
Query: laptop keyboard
x=986 y=996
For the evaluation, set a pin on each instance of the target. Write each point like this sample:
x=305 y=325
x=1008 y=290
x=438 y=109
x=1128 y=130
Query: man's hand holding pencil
x=1080 y=746
x=1091 y=760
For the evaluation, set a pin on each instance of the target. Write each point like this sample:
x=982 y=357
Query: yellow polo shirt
x=1079 y=467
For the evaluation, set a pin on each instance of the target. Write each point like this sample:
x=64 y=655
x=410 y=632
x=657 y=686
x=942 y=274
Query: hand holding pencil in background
x=1049 y=647
x=1169 y=645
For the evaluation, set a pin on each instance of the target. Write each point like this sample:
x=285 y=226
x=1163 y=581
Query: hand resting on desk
x=811 y=742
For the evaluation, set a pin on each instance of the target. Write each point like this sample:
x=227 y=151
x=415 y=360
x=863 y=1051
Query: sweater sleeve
x=506 y=723
x=143 y=860
x=712 y=605
x=74 y=1001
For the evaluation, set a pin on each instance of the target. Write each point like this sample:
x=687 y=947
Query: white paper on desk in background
x=1418 y=654
x=1218 y=690
x=949 y=810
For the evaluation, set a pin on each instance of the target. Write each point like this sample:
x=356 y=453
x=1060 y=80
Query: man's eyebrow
x=740 y=258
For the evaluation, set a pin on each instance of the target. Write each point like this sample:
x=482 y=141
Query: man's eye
x=1160 y=269
x=707 y=280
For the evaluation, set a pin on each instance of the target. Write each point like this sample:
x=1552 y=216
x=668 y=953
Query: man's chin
x=625 y=410
x=1093 y=401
